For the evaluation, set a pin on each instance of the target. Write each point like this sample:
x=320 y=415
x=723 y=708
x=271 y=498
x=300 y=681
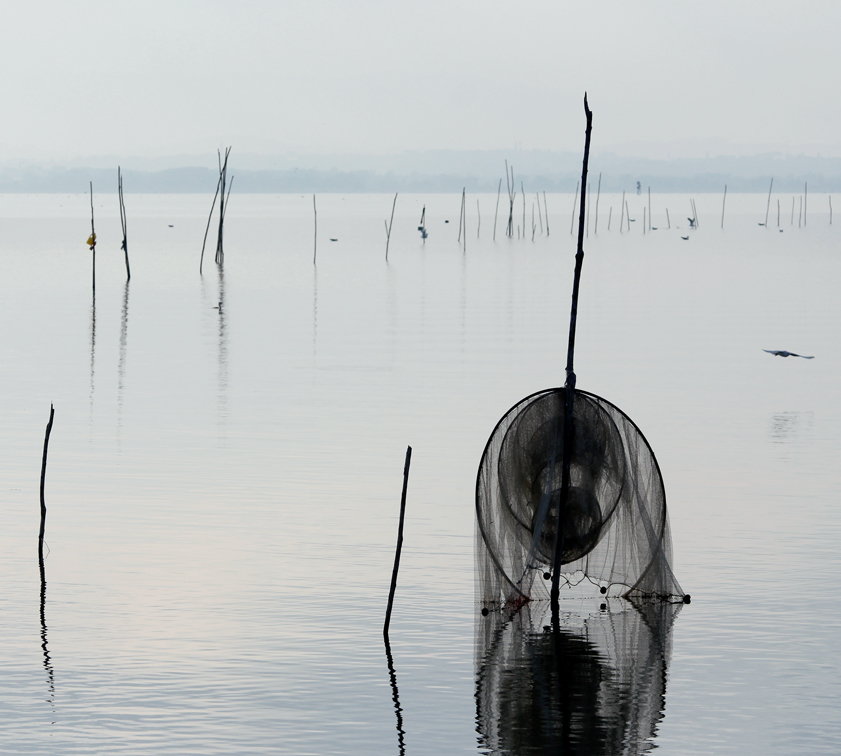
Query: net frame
x=629 y=551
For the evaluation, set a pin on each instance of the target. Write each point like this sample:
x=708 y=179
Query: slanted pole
x=93 y=245
x=399 y=542
x=43 y=479
x=569 y=385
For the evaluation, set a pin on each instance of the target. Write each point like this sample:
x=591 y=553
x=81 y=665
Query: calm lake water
x=223 y=485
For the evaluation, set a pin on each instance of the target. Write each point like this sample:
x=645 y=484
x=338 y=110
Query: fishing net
x=615 y=530
x=592 y=684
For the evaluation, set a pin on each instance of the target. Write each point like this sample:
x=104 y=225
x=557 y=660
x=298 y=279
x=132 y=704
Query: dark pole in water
x=123 y=221
x=569 y=385
x=399 y=542
x=43 y=478
x=93 y=244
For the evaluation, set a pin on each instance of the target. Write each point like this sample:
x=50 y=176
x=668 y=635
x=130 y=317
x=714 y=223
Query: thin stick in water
x=574 y=203
x=43 y=479
x=546 y=210
x=598 y=194
x=589 y=202
x=93 y=245
x=668 y=220
x=768 y=206
x=622 y=217
x=496 y=211
x=609 y=216
x=539 y=213
x=123 y=220
x=388 y=227
x=569 y=383
x=722 y=205
x=209 y=218
x=399 y=541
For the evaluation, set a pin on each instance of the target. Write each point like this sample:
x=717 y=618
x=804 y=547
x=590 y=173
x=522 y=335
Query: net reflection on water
x=594 y=683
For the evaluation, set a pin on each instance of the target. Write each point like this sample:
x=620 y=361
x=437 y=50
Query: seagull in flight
x=784 y=353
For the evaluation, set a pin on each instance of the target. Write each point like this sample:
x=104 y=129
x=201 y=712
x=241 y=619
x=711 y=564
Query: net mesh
x=615 y=527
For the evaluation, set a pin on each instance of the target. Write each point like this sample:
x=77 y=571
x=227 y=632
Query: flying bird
x=784 y=353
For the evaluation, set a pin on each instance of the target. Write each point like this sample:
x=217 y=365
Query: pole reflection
x=223 y=345
x=121 y=361
x=587 y=682
x=93 y=348
x=395 y=696
x=48 y=666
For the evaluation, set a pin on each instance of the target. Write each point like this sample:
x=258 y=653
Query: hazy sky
x=162 y=78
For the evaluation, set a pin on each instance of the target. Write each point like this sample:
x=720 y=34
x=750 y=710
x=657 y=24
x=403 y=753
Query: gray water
x=223 y=487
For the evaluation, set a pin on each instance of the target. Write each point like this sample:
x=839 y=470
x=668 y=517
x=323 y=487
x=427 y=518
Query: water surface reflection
x=595 y=683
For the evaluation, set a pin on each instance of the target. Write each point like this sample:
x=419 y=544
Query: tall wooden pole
x=43 y=478
x=93 y=245
x=569 y=385
x=399 y=542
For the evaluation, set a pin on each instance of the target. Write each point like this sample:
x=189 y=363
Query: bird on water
x=784 y=353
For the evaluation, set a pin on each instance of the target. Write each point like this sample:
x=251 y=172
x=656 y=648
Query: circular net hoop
x=615 y=527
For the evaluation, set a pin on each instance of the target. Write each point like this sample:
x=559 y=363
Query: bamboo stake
x=622 y=218
x=767 y=206
x=223 y=175
x=43 y=479
x=598 y=194
x=569 y=384
x=93 y=245
x=574 y=203
x=589 y=198
x=546 y=210
x=722 y=205
x=668 y=220
x=509 y=183
x=628 y=216
x=496 y=211
x=123 y=220
x=388 y=227
x=609 y=216
x=209 y=218
x=399 y=541
x=539 y=214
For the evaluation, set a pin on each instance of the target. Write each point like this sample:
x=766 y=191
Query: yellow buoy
x=91 y=240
